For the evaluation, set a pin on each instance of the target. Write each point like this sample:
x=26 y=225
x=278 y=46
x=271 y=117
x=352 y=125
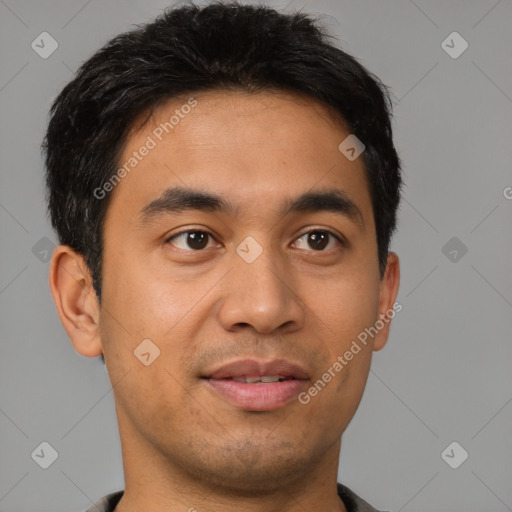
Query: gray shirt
x=353 y=503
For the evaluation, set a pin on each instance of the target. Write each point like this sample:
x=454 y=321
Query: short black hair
x=185 y=50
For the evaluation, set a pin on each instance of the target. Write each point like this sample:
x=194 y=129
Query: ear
x=388 y=293
x=76 y=301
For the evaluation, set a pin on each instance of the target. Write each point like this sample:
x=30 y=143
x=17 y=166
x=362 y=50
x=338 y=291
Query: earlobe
x=75 y=300
x=388 y=293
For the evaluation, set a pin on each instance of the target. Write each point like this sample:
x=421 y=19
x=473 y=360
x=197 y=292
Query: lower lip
x=260 y=396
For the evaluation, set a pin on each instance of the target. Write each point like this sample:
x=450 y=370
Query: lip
x=258 y=396
x=254 y=368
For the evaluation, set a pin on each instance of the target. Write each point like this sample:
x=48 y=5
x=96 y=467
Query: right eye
x=191 y=239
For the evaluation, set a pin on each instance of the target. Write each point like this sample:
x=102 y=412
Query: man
x=224 y=185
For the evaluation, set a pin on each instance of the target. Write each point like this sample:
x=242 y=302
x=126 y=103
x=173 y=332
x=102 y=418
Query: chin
x=251 y=469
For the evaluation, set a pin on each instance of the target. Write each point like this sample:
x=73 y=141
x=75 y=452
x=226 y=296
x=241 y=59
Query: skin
x=183 y=445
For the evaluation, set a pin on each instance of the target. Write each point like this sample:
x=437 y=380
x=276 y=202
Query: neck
x=162 y=484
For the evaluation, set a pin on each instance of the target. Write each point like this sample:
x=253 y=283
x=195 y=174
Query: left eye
x=318 y=239
x=196 y=240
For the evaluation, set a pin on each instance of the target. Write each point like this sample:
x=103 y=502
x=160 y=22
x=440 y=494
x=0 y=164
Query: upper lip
x=254 y=368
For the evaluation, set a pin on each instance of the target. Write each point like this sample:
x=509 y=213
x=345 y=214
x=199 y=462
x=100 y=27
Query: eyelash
x=340 y=239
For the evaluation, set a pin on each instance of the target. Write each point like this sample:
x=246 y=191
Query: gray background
x=445 y=373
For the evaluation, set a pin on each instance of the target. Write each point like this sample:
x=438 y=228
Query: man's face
x=206 y=299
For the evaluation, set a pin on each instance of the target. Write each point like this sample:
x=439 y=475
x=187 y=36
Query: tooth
x=269 y=378
x=254 y=380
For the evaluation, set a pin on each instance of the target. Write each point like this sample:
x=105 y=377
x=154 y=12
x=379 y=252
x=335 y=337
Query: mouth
x=255 y=386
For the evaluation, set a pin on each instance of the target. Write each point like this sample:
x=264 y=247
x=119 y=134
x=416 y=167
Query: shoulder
x=107 y=503
x=352 y=501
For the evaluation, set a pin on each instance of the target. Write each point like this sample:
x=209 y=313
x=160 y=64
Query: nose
x=261 y=295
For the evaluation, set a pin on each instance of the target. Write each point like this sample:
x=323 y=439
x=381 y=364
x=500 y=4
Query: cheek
x=346 y=307
x=143 y=301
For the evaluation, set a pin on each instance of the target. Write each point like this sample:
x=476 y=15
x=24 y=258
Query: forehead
x=254 y=149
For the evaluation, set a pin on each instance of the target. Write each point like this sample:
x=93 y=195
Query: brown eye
x=195 y=240
x=317 y=240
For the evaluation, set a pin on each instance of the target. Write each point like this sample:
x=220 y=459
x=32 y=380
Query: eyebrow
x=181 y=199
